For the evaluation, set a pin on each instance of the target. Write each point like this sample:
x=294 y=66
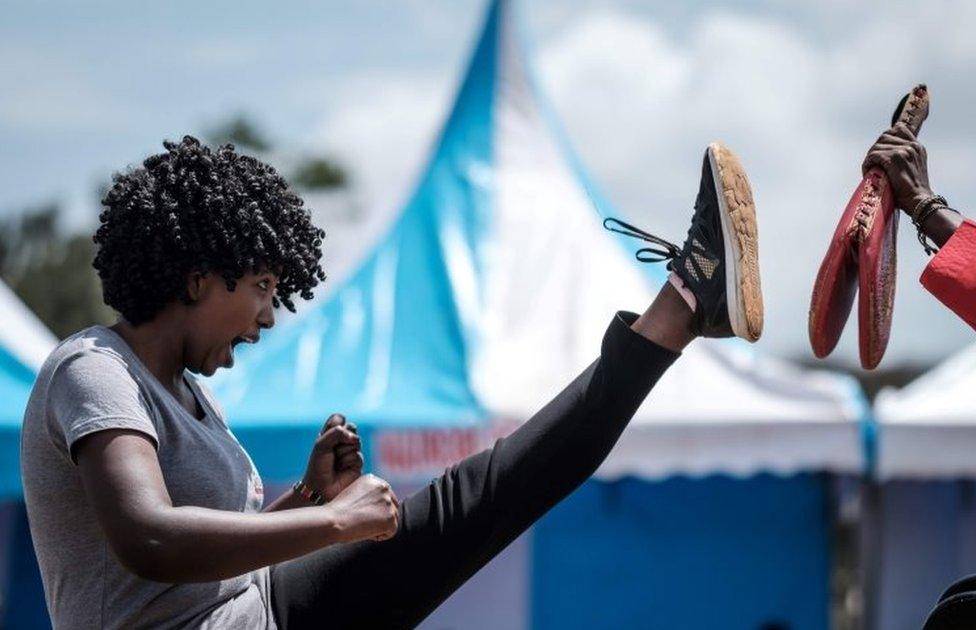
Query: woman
x=146 y=512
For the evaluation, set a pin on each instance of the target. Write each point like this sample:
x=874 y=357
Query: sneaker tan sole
x=741 y=235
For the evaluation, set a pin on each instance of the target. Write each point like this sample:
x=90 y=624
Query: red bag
x=862 y=256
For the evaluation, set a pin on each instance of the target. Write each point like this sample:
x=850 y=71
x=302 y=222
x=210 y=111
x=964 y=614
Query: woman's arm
x=288 y=500
x=157 y=541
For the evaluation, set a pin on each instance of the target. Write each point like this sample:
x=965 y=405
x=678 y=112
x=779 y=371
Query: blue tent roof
x=388 y=346
x=23 y=345
x=16 y=380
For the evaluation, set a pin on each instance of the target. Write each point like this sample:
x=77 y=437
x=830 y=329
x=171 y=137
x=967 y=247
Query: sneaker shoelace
x=665 y=250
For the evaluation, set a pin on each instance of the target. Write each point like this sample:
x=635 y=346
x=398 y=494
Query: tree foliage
x=241 y=132
x=51 y=271
x=319 y=173
x=311 y=172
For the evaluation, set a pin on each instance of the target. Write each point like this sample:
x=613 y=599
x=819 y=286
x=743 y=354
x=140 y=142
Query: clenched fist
x=336 y=460
x=367 y=510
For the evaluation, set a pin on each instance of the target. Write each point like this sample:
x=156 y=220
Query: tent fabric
x=925 y=512
x=24 y=344
x=684 y=553
x=926 y=543
x=388 y=345
x=23 y=590
x=23 y=335
x=928 y=428
x=492 y=289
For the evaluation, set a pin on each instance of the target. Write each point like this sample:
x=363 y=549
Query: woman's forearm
x=288 y=500
x=193 y=544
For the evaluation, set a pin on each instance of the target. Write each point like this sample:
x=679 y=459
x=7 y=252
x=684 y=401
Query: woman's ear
x=196 y=285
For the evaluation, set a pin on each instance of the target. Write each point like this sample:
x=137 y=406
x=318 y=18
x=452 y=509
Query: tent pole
x=871 y=549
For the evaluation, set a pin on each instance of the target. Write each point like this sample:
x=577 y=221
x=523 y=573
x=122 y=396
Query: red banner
x=414 y=453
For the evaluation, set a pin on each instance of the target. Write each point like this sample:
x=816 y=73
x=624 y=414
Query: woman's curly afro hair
x=192 y=209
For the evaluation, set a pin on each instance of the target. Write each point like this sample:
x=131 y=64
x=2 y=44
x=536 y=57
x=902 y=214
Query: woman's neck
x=159 y=345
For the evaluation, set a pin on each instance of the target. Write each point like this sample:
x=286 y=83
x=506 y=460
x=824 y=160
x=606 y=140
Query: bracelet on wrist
x=922 y=212
x=308 y=492
x=924 y=204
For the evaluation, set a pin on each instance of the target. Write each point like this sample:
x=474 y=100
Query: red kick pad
x=861 y=256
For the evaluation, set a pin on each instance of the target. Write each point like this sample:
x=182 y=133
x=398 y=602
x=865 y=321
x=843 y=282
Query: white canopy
x=928 y=428
x=23 y=334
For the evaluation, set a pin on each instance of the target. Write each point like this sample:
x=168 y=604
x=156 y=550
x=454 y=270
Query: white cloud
x=383 y=125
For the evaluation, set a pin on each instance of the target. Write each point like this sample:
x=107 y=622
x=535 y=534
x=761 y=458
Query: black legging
x=467 y=516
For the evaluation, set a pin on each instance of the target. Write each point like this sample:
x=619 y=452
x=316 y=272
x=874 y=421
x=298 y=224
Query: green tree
x=319 y=173
x=241 y=132
x=312 y=173
x=51 y=272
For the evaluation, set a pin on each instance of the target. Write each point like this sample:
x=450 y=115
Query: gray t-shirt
x=91 y=382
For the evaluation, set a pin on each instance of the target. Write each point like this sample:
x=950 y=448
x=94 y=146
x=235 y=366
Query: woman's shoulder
x=95 y=347
x=87 y=383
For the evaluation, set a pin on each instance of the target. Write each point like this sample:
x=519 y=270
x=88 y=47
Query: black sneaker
x=719 y=262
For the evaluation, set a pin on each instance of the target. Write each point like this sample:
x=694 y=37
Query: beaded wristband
x=308 y=492
x=924 y=205
x=923 y=211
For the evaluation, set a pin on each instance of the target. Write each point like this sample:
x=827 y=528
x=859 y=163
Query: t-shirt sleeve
x=94 y=391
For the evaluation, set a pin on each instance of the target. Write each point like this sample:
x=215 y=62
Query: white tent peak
x=23 y=334
x=928 y=428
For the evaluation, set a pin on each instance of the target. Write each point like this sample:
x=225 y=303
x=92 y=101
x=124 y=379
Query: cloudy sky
x=799 y=90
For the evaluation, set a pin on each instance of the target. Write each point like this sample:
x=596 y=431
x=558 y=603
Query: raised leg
x=464 y=518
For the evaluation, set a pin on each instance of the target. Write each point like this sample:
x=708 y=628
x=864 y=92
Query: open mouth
x=236 y=341
x=244 y=339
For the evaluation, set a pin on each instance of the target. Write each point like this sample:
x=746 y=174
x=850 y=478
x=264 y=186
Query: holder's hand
x=904 y=161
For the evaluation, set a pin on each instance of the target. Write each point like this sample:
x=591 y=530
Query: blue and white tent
x=24 y=344
x=491 y=290
x=485 y=295
x=927 y=430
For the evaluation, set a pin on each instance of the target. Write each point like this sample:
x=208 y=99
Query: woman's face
x=220 y=319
